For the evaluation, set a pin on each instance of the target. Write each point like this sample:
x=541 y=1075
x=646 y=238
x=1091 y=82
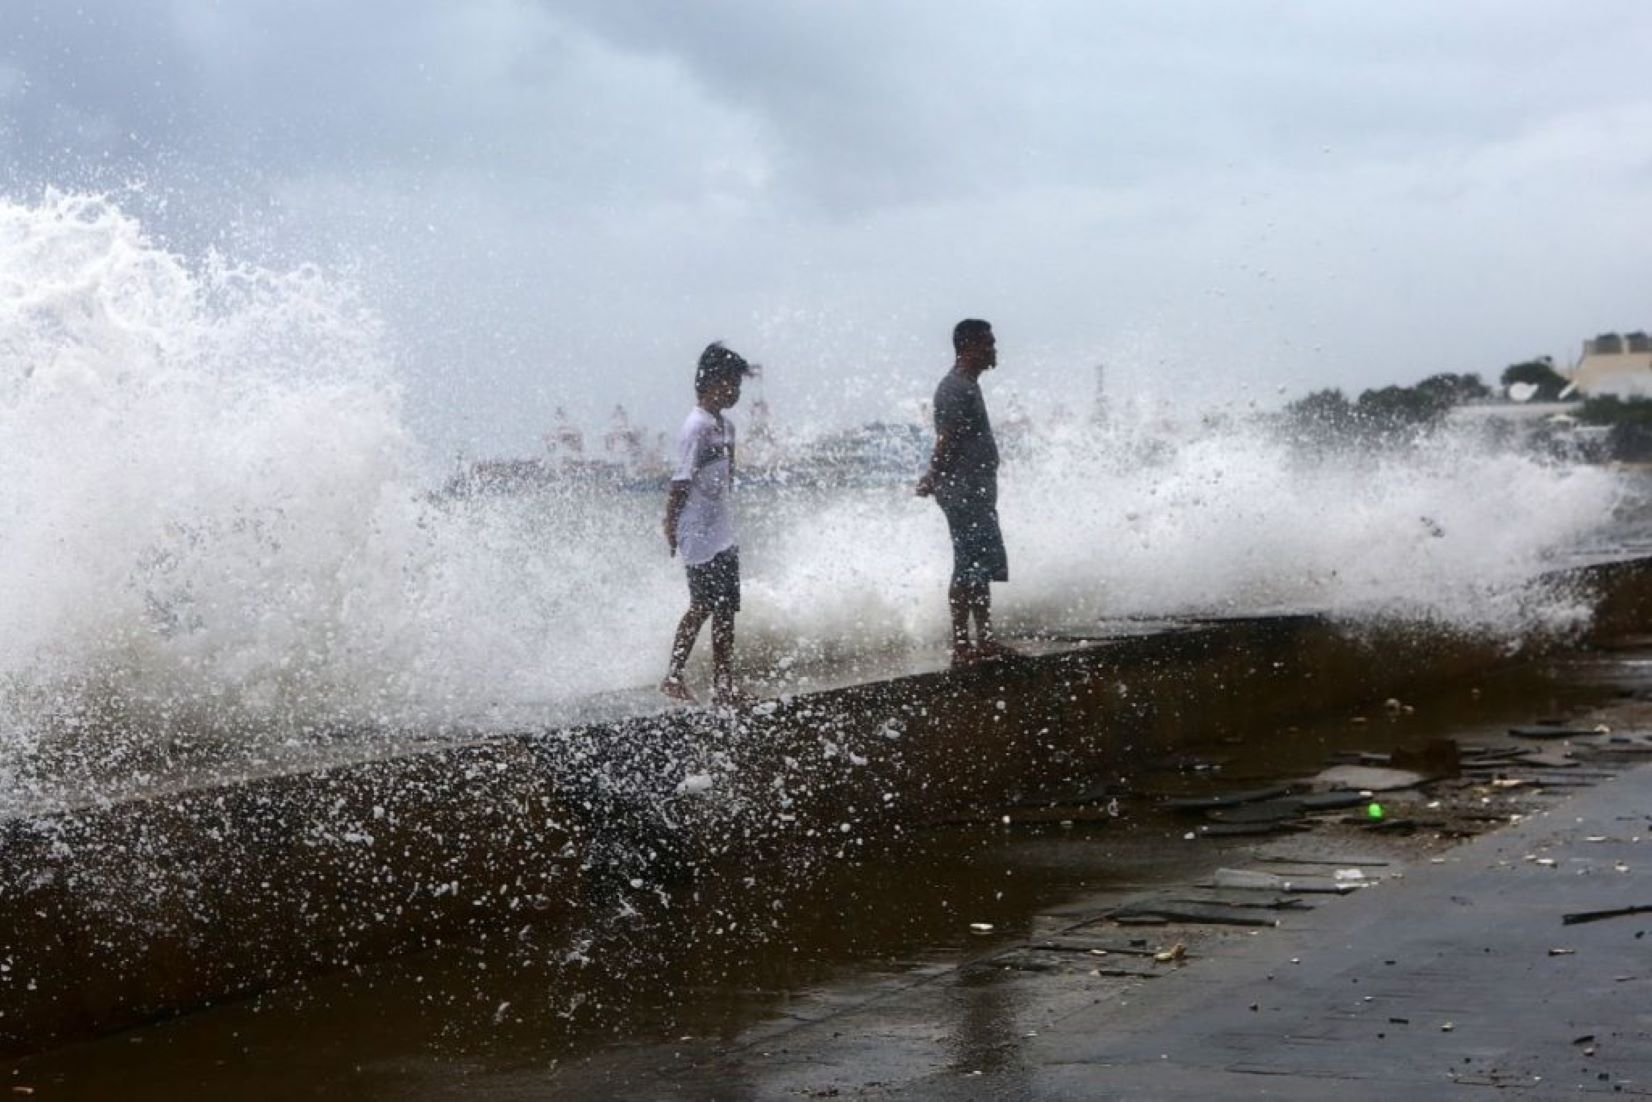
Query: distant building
x=760 y=448
x=629 y=449
x=564 y=444
x=1615 y=365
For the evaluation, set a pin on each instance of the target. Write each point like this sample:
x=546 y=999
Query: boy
x=699 y=522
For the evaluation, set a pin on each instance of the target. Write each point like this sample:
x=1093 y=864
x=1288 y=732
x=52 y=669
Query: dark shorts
x=714 y=585
x=977 y=545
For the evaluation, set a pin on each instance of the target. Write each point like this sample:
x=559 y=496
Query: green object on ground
x=1374 y=810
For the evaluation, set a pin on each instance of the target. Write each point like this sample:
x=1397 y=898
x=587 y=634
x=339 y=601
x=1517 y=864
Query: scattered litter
x=1251 y=880
x=1264 y=811
x=1330 y=801
x=1177 y=910
x=1562 y=952
x=1366 y=778
x=1578 y=917
x=1227 y=799
x=1267 y=826
x=1547 y=731
x=980 y=927
x=1176 y=952
x=1447 y=1027
x=1547 y=760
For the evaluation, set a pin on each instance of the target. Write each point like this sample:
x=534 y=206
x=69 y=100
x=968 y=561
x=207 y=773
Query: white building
x=1613 y=364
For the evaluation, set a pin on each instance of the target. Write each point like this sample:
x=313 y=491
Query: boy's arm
x=675 y=499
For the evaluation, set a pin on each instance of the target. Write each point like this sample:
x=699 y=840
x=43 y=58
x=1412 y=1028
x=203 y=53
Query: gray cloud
x=559 y=202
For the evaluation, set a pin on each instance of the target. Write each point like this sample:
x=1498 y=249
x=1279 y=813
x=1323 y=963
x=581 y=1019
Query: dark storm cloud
x=97 y=84
x=1328 y=191
x=859 y=103
x=868 y=102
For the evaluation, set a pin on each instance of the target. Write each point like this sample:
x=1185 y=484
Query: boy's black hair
x=968 y=332
x=718 y=365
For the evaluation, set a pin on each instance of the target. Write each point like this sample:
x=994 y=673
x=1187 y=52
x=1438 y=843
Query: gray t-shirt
x=970 y=470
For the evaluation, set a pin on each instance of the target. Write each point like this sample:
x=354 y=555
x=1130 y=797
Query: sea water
x=222 y=547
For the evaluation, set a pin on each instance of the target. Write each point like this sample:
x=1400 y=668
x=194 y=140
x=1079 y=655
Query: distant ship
x=631 y=458
x=878 y=453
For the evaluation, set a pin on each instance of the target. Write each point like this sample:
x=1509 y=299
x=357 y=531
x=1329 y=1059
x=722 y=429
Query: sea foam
x=219 y=537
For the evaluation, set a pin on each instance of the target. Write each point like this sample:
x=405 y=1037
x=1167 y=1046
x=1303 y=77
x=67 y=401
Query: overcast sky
x=561 y=203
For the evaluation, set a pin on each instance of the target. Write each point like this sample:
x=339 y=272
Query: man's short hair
x=719 y=365
x=969 y=331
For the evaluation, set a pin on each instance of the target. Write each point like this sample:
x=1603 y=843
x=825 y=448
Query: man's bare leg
x=987 y=645
x=964 y=598
x=688 y=629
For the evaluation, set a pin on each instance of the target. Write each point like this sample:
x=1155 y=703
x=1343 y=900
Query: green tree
x=1394 y=408
x=1540 y=373
x=1321 y=412
x=1609 y=409
x=1453 y=390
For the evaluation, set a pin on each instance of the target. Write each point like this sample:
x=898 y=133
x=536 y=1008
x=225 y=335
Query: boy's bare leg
x=722 y=658
x=688 y=629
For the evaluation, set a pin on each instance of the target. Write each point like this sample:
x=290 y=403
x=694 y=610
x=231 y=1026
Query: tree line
x=1390 y=411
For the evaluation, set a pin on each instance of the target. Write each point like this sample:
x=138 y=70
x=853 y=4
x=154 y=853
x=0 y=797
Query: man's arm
x=675 y=499
x=939 y=460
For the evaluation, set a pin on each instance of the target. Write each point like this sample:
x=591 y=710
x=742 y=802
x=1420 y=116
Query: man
x=699 y=522
x=963 y=477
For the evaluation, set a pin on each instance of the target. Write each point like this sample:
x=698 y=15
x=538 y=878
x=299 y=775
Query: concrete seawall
x=114 y=915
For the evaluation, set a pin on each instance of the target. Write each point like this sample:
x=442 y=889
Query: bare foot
x=991 y=650
x=677 y=689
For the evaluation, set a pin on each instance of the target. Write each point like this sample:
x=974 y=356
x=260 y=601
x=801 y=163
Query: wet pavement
x=977 y=959
x=1444 y=978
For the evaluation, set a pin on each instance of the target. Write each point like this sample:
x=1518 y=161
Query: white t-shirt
x=705 y=448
